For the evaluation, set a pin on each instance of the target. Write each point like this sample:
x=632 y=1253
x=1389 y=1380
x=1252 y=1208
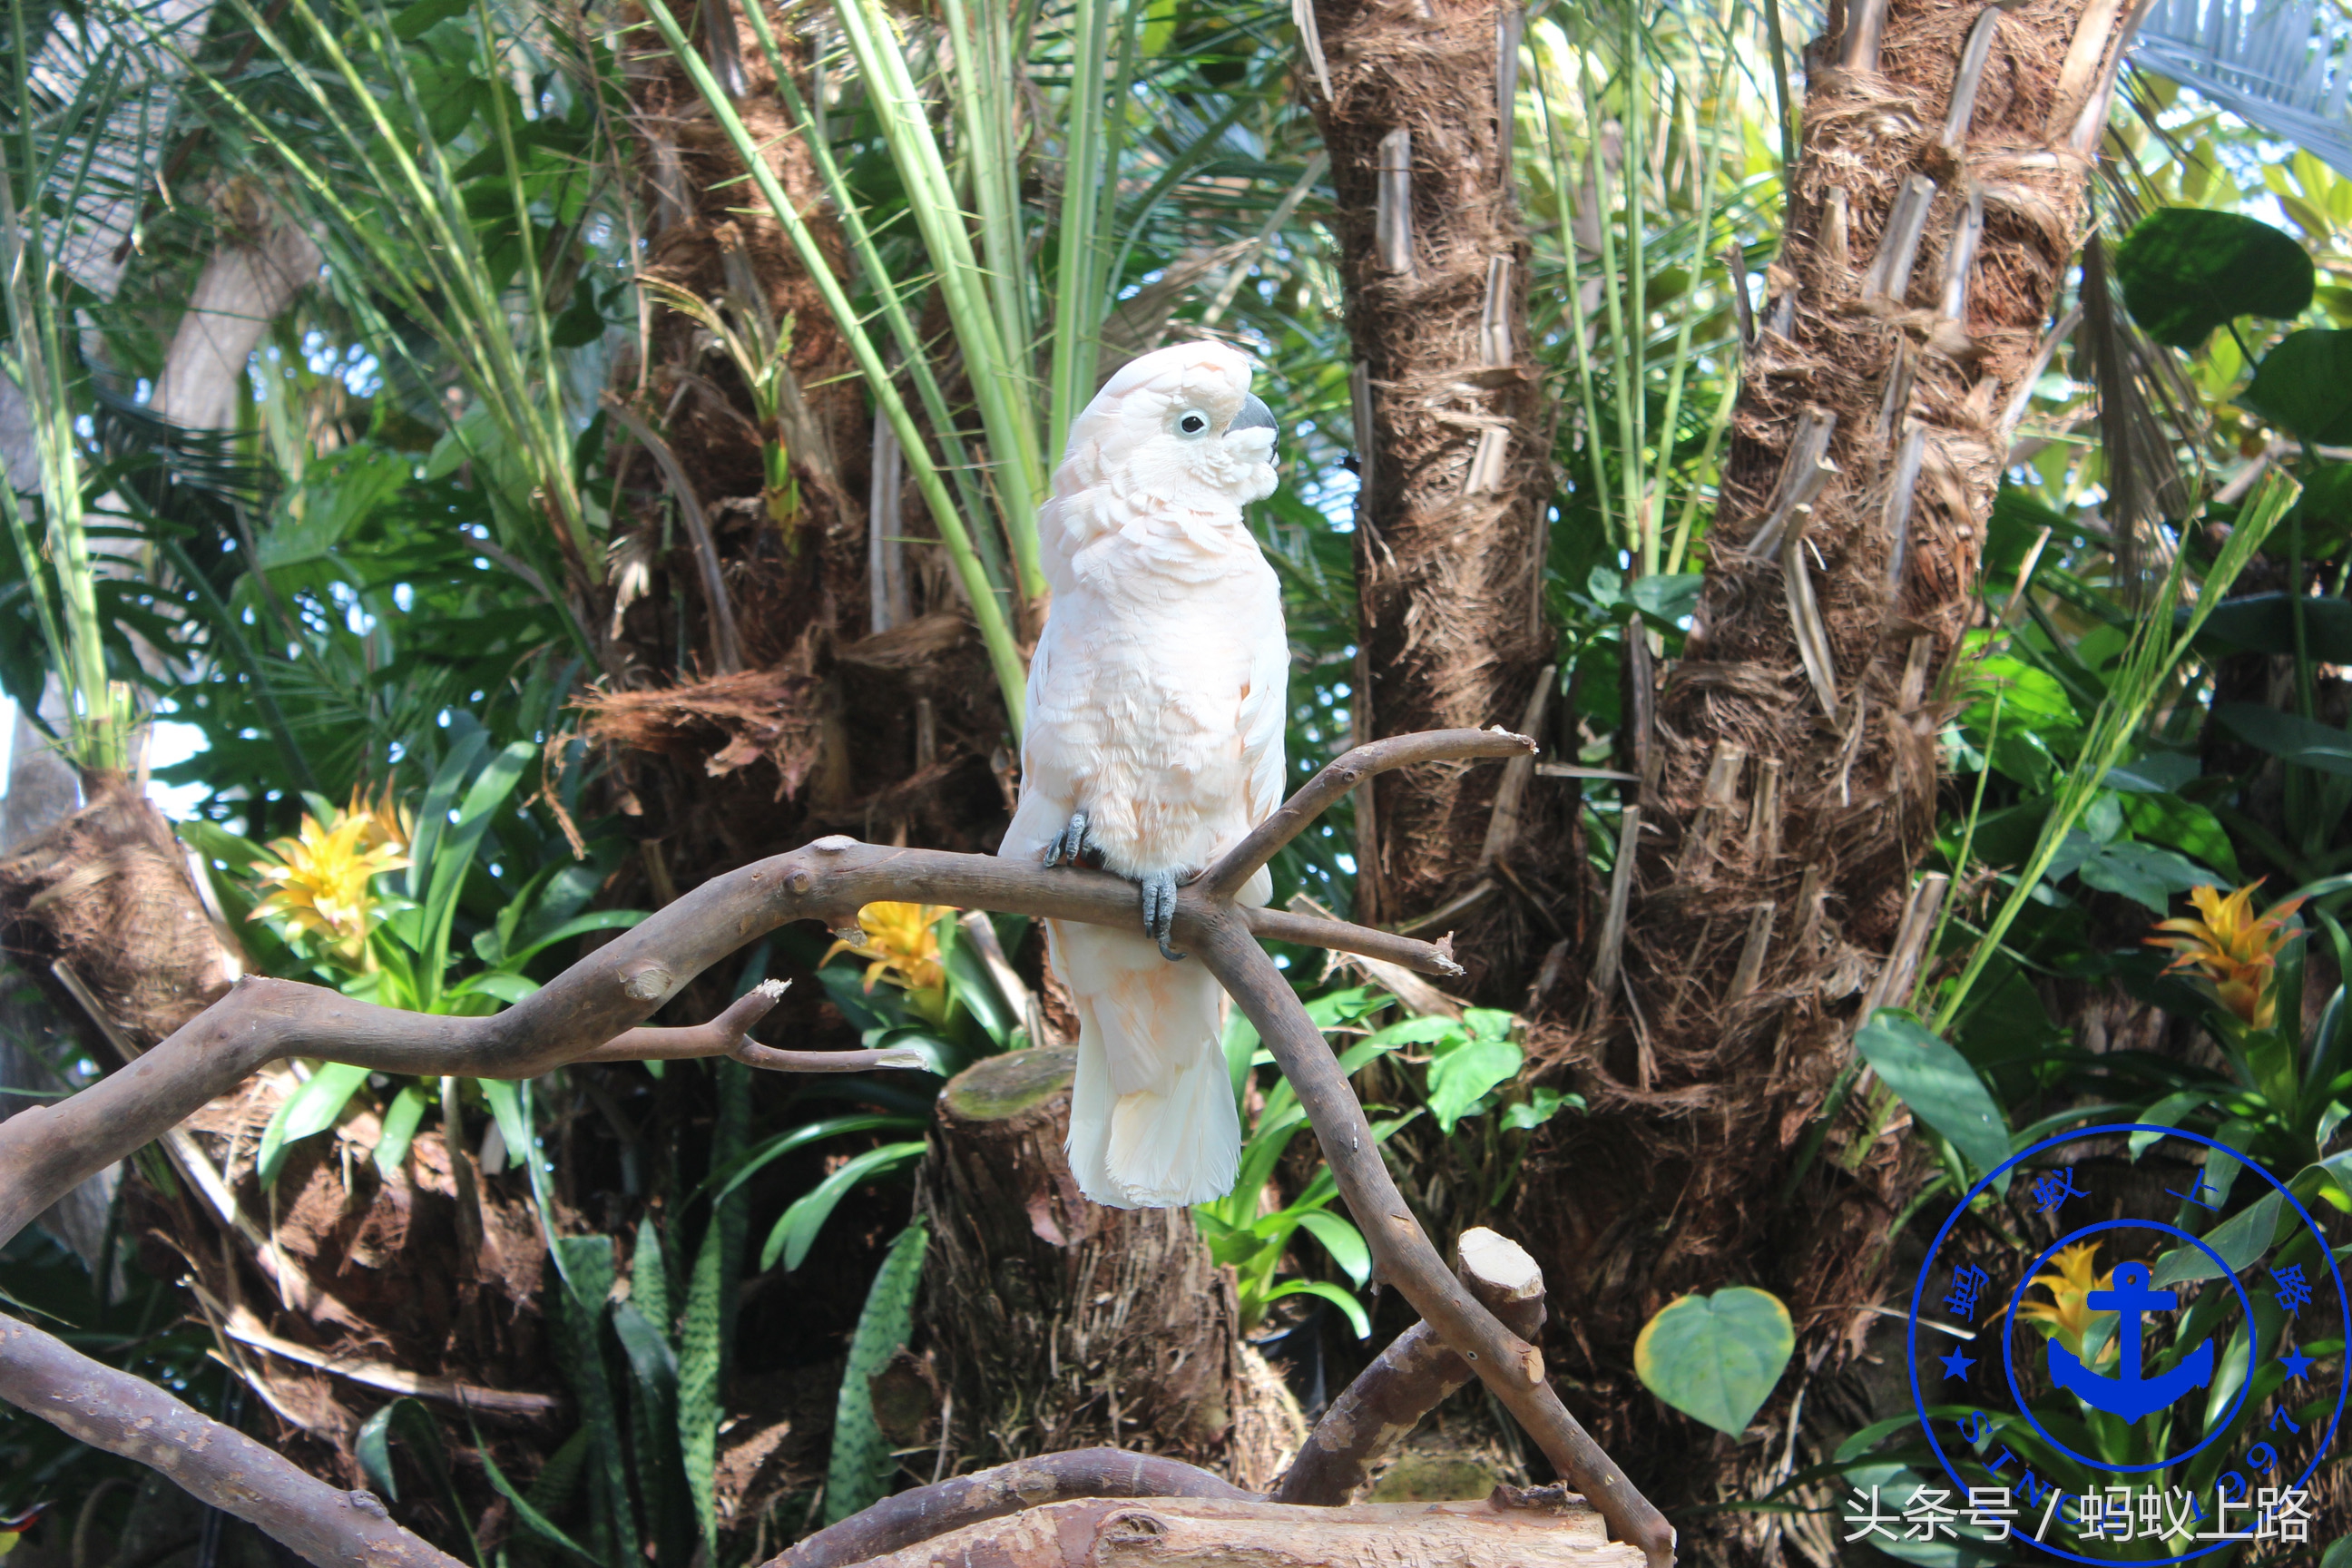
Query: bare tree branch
x=1344 y=773
x=591 y=1011
x=215 y=1464
x=1413 y=1377
x=934 y=1511
x=595 y=1011
x=1402 y=1254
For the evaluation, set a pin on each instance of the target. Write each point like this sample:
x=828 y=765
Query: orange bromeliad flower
x=321 y=877
x=902 y=943
x=2234 y=950
x=2068 y=1311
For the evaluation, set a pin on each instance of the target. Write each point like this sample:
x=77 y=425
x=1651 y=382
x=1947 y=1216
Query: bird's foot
x=1159 y=910
x=1075 y=844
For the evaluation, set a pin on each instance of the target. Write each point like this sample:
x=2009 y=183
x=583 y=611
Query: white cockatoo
x=1156 y=703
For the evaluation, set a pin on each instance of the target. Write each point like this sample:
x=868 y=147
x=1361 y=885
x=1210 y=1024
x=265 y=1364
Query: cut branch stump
x=1095 y=1325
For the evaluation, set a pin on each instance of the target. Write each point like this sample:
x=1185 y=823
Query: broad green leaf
x=2264 y=623
x=2182 y=825
x=1357 y=1318
x=1541 y=1106
x=2187 y=271
x=2304 y=387
x=310 y=1109
x=2290 y=737
x=2142 y=873
x=507 y=988
x=1343 y=1241
x=796 y=1232
x=862 y=1463
x=1670 y=599
x=1715 y=1358
x=1937 y=1083
x=1461 y=1078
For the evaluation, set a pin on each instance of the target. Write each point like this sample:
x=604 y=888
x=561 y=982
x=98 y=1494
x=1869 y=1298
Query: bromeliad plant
x=369 y=899
x=1467 y=1089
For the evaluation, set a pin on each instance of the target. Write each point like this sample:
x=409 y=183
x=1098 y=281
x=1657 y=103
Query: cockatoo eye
x=1192 y=422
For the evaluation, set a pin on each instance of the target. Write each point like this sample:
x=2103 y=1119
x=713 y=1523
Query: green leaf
x=414 y=20
x=507 y=988
x=505 y=1101
x=732 y=1173
x=1668 y=599
x=1461 y=1078
x=2264 y=623
x=2142 y=873
x=400 y=1122
x=2290 y=737
x=415 y=1425
x=310 y=1109
x=526 y=1513
x=1541 y=1106
x=2187 y=270
x=1343 y=1241
x=2170 y=1111
x=2304 y=387
x=1357 y=1318
x=1715 y=1358
x=2241 y=1240
x=862 y=1463
x=1937 y=1083
x=796 y=1232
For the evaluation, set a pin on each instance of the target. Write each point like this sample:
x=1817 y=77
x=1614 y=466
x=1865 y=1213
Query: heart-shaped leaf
x=2304 y=387
x=1715 y=1358
x=2185 y=271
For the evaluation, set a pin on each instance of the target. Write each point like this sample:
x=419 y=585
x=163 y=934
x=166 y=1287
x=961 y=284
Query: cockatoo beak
x=1254 y=415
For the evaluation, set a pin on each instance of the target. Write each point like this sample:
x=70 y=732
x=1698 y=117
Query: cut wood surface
x=1507 y=1530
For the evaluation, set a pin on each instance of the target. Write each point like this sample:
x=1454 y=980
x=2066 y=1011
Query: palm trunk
x=1791 y=774
x=1453 y=437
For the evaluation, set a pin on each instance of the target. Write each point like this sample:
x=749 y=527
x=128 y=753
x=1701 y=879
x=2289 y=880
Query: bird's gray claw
x=1074 y=844
x=1159 y=910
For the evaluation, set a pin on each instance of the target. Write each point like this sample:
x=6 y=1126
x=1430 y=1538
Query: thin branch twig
x=1265 y=840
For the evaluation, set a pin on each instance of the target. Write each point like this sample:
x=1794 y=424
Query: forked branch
x=595 y=1011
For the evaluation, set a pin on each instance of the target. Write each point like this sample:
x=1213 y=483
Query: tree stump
x=1058 y=1324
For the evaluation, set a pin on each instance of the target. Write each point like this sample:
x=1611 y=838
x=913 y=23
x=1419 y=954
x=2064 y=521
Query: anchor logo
x=2127 y=1394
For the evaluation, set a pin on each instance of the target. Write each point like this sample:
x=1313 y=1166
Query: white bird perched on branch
x=1157 y=697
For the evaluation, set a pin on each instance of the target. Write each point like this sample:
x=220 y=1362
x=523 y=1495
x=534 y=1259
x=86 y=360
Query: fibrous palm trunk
x=1453 y=439
x=1789 y=782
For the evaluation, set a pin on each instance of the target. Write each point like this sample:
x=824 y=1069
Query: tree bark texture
x=1060 y=1323
x=1789 y=780
x=751 y=697
x=1454 y=440
x=1204 y=1533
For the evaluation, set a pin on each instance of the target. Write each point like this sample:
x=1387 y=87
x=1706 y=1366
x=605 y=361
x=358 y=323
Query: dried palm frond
x=2285 y=68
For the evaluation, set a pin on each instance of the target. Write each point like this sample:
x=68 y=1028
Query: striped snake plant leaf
x=862 y=1461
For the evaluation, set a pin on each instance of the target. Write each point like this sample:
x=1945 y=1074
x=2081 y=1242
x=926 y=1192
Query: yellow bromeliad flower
x=321 y=877
x=390 y=824
x=902 y=943
x=2234 y=950
x=2068 y=1311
